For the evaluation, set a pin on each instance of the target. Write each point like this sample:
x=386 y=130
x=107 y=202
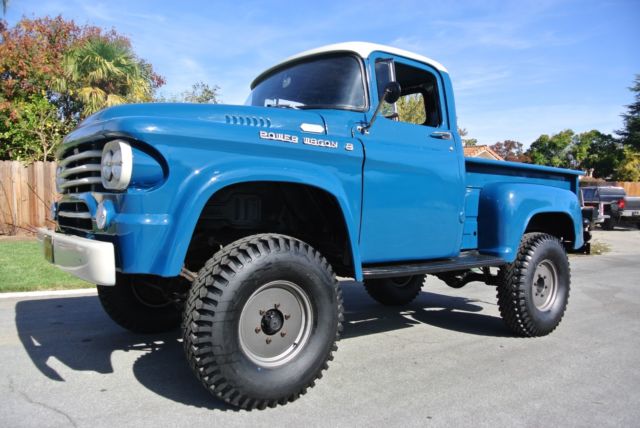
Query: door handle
x=442 y=135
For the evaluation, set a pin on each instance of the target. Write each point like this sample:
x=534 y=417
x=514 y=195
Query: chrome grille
x=74 y=216
x=79 y=169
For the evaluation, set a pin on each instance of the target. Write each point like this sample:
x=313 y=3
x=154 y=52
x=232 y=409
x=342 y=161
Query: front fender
x=505 y=210
x=205 y=183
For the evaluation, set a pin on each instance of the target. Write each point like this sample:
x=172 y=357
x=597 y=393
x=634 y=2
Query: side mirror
x=392 y=92
x=390 y=95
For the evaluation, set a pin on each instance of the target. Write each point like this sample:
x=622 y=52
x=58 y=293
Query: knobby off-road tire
x=139 y=306
x=534 y=289
x=262 y=320
x=395 y=291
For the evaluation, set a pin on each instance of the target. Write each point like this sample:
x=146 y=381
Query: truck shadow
x=365 y=316
x=76 y=333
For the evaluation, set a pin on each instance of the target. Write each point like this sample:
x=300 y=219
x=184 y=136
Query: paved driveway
x=445 y=360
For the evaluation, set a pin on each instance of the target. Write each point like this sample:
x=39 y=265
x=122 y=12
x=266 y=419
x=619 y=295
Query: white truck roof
x=363 y=49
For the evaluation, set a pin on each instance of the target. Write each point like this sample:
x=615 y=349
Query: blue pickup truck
x=233 y=221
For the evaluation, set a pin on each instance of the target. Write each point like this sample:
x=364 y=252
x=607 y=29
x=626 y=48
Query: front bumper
x=93 y=261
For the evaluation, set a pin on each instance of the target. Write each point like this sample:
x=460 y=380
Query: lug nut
x=268 y=340
x=261 y=312
x=277 y=305
x=258 y=330
x=287 y=316
x=283 y=333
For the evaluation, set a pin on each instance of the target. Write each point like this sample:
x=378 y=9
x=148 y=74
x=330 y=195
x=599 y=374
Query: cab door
x=413 y=188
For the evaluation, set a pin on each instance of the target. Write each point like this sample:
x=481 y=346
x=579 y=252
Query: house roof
x=481 y=152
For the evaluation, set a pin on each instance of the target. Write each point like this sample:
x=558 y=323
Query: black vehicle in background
x=626 y=212
x=612 y=206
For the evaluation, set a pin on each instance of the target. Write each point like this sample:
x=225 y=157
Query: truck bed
x=484 y=173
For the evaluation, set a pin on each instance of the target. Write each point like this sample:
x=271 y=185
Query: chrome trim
x=81 y=155
x=79 y=169
x=81 y=181
x=313 y=128
x=88 y=259
x=71 y=214
x=442 y=135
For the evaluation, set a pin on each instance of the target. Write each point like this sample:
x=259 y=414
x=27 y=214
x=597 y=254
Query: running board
x=468 y=260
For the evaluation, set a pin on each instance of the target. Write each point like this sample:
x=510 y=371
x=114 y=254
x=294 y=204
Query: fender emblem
x=277 y=136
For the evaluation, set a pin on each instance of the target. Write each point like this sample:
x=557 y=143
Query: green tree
x=411 y=109
x=103 y=73
x=629 y=167
x=35 y=130
x=32 y=59
x=603 y=153
x=630 y=134
x=552 y=150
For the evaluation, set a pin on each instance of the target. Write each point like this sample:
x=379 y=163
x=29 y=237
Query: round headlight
x=116 y=165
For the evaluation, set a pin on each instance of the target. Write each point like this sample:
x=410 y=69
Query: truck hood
x=269 y=117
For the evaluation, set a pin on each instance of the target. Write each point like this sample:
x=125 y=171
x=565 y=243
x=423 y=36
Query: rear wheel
x=534 y=289
x=608 y=224
x=395 y=291
x=142 y=303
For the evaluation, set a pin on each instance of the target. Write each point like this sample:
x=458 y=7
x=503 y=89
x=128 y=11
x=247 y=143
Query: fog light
x=104 y=213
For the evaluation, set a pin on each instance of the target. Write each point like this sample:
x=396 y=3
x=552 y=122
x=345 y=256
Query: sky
x=519 y=68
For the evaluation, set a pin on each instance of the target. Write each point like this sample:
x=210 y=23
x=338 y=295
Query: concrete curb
x=50 y=293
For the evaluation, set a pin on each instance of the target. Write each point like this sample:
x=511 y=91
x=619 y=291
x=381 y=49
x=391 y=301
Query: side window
x=385 y=73
x=420 y=102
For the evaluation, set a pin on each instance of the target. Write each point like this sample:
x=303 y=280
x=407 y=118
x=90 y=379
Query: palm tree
x=103 y=73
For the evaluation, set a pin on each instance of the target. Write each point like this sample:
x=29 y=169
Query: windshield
x=328 y=82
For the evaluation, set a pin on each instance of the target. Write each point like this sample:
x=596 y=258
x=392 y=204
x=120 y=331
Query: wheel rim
x=275 y=323
x=544 y=285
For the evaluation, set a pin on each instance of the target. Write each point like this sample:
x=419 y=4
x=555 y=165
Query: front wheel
x=262 y=320
x=534 y=290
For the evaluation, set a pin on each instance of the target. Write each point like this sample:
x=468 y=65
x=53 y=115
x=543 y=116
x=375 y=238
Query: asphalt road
x=445 y=360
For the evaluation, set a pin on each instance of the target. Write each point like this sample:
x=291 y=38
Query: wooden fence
x=26 y=193
x=631 y=187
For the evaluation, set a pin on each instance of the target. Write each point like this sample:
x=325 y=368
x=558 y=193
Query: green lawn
x=23 y=268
